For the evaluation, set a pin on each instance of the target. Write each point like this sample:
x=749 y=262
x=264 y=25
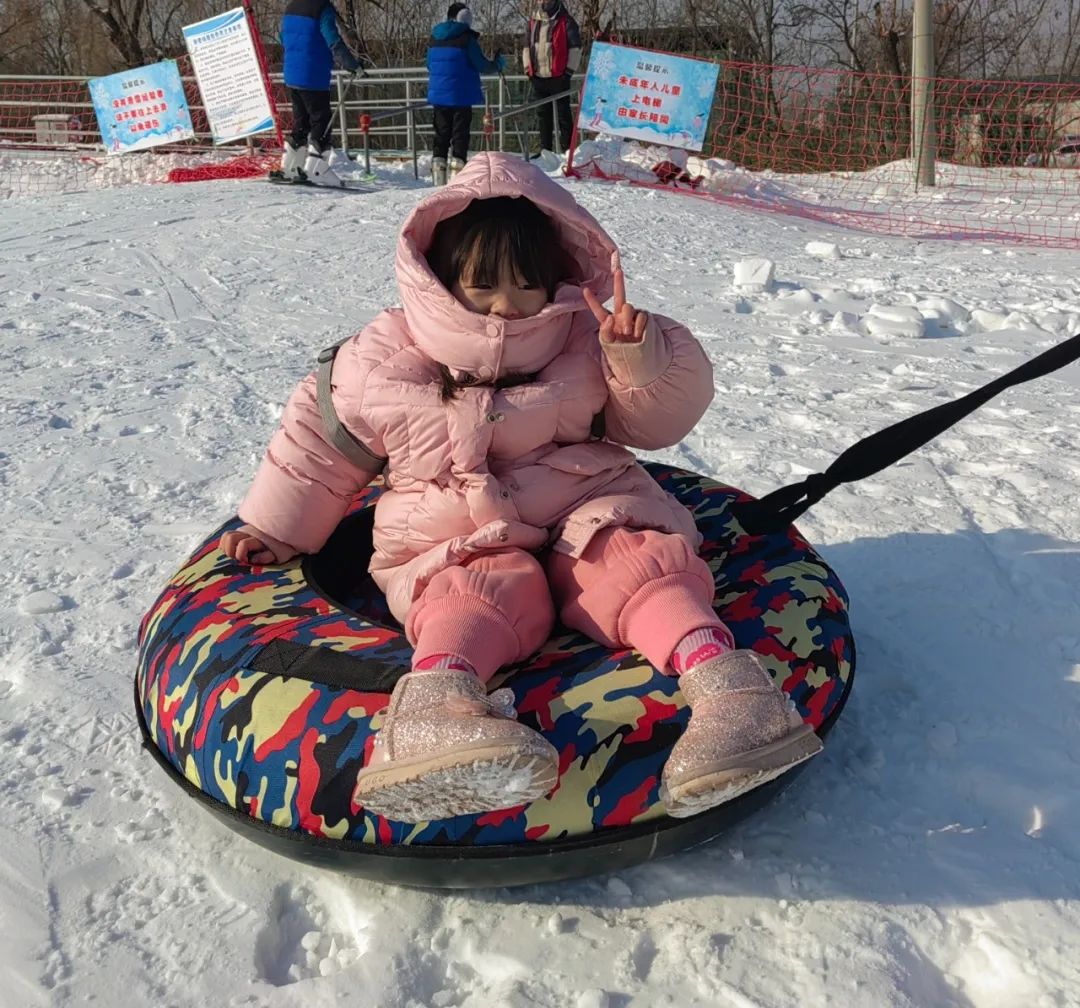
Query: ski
x=277 y=178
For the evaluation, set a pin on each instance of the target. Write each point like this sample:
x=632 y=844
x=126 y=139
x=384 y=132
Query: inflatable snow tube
x=259 y=691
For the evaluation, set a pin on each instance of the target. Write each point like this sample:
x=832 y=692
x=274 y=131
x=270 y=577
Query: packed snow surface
x=930 y=858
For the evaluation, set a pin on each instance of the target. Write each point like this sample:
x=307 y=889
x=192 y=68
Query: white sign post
x=229 y=78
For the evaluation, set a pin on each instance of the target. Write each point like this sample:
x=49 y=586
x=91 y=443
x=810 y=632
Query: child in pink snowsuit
x=486 y=394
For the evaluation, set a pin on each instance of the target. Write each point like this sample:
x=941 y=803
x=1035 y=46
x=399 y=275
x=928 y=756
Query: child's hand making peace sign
x=624 y=324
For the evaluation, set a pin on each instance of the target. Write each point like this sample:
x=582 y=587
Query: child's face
x=512 y=297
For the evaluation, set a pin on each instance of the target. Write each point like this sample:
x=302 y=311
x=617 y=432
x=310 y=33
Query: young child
x=485 y=393
x=455 y=62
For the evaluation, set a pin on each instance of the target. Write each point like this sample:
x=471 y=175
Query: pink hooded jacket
x=492 y=468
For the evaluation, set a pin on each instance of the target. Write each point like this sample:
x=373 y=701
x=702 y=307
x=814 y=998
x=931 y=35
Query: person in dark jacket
x=455 y=62
x=551 y=56
x=313 y=44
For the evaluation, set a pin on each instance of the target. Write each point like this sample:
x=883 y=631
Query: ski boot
x=317 y=167
x=292 y=161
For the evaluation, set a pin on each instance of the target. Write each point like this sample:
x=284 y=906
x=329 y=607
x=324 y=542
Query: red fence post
x=260 y=55
x=365 y=131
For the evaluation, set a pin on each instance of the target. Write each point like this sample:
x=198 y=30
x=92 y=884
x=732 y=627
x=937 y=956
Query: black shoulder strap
x=878 y=451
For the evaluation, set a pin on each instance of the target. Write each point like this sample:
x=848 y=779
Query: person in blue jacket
x=455 y=62
x=313 y=44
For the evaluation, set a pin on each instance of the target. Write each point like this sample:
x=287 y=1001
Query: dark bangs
x=473 y=244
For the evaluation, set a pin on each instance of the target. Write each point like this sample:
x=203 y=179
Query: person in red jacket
x=551 y=55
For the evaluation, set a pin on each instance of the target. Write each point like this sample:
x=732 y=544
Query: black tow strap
x=878 y=451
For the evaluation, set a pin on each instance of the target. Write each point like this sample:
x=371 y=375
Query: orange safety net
x=837 y=146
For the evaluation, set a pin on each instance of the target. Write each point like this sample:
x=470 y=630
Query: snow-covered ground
x=931 y=858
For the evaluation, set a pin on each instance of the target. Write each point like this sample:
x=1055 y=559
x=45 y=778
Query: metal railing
x=493 y=120
x=519 y=110
x=359 y=110
x=47 y=96
x=366 y=119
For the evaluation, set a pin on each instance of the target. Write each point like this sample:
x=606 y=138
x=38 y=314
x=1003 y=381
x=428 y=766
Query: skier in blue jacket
x=455 y=62
x=313 y=44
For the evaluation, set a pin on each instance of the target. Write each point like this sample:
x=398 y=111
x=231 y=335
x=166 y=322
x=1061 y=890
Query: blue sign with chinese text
x=141 y=108
x=648 y=96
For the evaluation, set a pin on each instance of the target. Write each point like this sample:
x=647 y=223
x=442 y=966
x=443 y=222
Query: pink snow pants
x=641 y=589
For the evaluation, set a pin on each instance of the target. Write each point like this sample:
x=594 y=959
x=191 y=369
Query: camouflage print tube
x=260 y=688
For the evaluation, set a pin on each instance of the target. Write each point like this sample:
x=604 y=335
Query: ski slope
x=931 y=859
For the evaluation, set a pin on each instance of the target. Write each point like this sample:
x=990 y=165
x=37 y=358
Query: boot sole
x=466 y=782
x=718 y=783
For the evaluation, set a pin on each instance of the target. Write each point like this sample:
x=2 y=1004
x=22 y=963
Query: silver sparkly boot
x=447 y=748
x=743 y=732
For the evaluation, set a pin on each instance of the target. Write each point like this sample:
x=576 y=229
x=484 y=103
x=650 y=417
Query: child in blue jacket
x=455 y=62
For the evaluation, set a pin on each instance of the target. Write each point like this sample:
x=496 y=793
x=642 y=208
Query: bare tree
x=770 y=25
x=987 y=38
x=17 y=33
x=165 y=19
x=1058 y=48
x=972 y=38
x=835 y=29
x=123 y=24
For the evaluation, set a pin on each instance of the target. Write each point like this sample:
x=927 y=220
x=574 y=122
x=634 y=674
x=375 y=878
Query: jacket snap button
x=595 y=521
x=499 y=417
x=491 y=418
x=503 y=537
x=504 y=494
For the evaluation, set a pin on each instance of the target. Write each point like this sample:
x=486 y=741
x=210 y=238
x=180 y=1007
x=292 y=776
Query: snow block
x=988 y=321
x=39 y=603
x=754 y=274
x=844 y=322
x=942 y=316
x=944 y=309
x=823 y=250
x=903 y=321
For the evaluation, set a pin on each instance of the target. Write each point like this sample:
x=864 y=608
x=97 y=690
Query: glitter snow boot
x=447 y=748
x=743 y=732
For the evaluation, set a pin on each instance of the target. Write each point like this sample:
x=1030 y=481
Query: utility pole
x=923 y=128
